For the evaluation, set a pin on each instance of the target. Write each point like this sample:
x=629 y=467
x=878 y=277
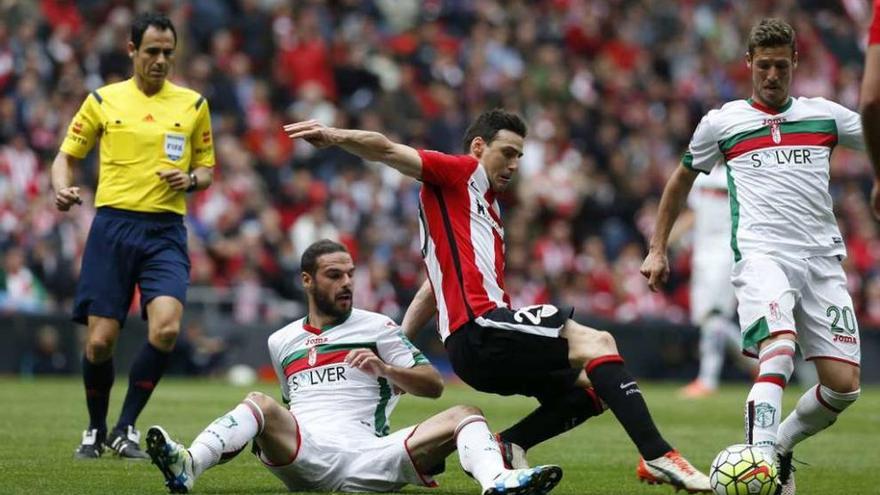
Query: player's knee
x=266 y=406
x=605 y=343
x=99 y=348
x=843 y=382
x=458 y=417
x=164 y=335
x=836 y=400
x=260 y=399
x=596 y=343
x=462 y=411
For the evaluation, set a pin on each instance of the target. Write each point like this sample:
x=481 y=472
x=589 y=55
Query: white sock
x=227 y=434
x=816 y=410
x=478 y=450
x=763 y=412
x=712 y=346
x=764 y=404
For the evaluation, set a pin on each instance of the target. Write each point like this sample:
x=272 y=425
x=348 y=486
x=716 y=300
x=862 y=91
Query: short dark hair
x=309 y=261
x=771 y=32
x=146 y=19
x=489 y=123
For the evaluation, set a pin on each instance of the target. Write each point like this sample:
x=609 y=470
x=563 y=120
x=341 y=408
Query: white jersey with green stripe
x=708 y=201
x=322 y=390
x=778 y=169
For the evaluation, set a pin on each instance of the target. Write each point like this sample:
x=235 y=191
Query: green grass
x=42 y=421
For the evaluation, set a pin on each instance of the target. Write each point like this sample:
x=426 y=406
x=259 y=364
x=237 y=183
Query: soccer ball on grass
x=742 y=470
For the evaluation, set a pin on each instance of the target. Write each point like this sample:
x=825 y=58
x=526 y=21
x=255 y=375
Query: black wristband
x=193 y=182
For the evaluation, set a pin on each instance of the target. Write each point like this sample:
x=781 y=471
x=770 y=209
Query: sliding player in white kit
x=788 y=277
x=342 y=371
x=712 y=301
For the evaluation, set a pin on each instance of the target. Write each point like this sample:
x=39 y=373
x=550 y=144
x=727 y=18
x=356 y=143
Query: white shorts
x=806 y=297
x=354 y=462
x=711 y=288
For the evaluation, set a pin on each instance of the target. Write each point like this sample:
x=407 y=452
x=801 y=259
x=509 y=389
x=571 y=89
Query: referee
x=156 y=145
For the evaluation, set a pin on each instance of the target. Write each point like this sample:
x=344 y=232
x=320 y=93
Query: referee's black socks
x=147 y=369
x=98 y=380
x=619 y=390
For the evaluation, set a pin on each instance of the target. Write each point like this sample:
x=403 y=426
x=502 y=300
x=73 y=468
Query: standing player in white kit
x=788 y=277
x=342 y=371
x=712 y=301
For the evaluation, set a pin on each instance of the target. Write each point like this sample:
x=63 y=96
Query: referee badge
x=174 y=146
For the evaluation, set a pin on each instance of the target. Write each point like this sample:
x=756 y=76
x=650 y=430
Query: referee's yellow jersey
x=141 y=135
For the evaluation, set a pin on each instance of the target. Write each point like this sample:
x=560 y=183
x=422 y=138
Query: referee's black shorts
x=511 y=352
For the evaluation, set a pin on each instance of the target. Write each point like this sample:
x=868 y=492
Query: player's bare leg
x=816 y=410
x=258 y=417
x=596 y=352
x=465 y=428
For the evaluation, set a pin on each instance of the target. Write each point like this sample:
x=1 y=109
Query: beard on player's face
x=335 y=304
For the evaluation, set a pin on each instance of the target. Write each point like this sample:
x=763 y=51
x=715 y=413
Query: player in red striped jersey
x=870 y=104
x=537 y=351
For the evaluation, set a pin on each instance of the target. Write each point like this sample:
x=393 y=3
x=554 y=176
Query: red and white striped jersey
x=874 y=30
x=462 y=239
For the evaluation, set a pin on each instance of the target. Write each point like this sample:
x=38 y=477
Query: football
x=742 y=470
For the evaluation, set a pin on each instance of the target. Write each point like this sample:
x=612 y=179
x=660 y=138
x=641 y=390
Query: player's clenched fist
x=656 y=269
x=67 y=197
x=366 y=361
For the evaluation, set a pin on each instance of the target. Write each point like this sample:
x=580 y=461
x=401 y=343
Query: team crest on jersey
x=774 y=312
x=313 y=356
x=775 y=133
x=174 y=146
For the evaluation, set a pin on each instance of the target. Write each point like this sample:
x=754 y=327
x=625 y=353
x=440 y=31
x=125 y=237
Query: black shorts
x=510 y=352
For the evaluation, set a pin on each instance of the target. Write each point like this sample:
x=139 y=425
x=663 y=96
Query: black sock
x=619 y=390
x=98 y=380
x=554 y=417
x=145 y=373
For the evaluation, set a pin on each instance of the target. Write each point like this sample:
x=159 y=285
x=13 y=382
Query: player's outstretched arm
x=422 y=308
x=421 y=380
x=66 y=195
x=656 y=266
x=869 y=107
x=368 y=145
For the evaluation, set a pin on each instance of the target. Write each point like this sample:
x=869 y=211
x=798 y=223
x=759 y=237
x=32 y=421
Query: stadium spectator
x=46 y=357
x=20 y=290
x=607 y=132
x=156 y=144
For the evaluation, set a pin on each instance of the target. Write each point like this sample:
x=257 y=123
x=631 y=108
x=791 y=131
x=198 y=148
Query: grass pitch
x=42 y=421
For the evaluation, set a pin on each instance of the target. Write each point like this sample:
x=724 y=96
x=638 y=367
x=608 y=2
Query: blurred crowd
x=611 y=90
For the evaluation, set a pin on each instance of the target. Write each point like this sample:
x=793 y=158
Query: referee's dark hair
x=147 y=19
x=309 y=261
